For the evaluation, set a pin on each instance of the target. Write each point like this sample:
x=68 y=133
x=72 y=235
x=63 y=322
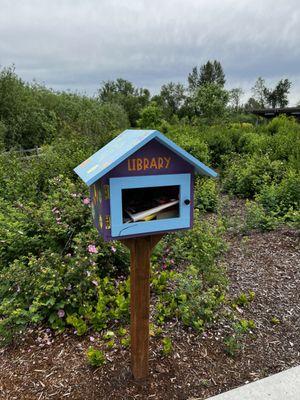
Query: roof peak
x=125 y=144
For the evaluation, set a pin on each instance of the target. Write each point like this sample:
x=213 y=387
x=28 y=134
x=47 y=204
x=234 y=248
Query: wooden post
x=140 y=252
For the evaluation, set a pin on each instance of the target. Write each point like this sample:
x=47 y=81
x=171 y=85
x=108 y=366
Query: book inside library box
x=151 y=203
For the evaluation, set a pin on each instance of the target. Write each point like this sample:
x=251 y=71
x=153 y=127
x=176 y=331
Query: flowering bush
x=55 y=269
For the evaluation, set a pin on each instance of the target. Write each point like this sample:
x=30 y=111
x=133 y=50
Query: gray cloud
x=75 y=44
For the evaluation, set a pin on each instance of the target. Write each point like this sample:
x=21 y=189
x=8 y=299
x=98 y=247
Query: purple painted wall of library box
x=141 y=183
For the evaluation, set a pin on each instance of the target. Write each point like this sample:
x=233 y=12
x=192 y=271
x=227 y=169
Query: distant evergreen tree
x=211 y=72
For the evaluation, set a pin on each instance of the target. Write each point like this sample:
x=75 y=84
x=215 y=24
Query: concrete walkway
x=282 y=386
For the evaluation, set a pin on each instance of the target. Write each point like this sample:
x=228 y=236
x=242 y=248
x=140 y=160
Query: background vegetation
x=55 y=269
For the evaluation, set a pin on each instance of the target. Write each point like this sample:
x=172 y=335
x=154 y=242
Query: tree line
x=31 y=114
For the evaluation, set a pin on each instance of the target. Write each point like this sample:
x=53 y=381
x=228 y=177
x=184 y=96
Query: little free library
x=141 y=186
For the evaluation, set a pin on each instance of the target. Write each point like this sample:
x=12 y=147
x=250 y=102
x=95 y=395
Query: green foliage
x=257 y=218
x=199 y=291
x=244 y=326
x=171 y=99
x=166 y=346
x=122 y=331
x=125 y=342
x=78 y=324
x=47 y=274
x=108 y=335
x=123 y=93
x=282 y=197
x=33 y=115
x=160 y=280
x=209 y=73
x=190 y=139
x=2 y=136
x=150 y=117
x=278 y=97
x=275 y=204
x=95 y=357
x=210 y=101
x=243 y=299
x=206 y=194
x=245 y=176
x=275 y=321
x=232 y=345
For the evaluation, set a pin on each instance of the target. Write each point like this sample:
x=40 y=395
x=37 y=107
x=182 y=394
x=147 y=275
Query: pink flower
x=92 y=339
x=92 y=249
x=164 y=266
x=61 y=313
x=95 y=283
x=172 y=262
x=113 y=249
x=86 y=200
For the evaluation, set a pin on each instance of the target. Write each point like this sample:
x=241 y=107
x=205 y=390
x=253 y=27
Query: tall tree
x=172 y=97
x=258 y=91
x=211 y=72
x=210 y=101
x=124 y=93
x=235 y=96
x=278 y=97
x=252 y=104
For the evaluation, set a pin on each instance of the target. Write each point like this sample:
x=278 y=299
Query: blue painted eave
x=127 y=143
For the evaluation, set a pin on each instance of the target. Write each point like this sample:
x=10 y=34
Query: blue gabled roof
x=120 y=148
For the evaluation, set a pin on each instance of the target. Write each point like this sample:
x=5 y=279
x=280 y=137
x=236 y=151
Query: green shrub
x=166 y=346
x=244 y=326
x=275 y=321
x=246 y=176
x=191 y=140
x=206 y=195
x=275 y=204
x=78 y=324
x=232 y=345
x=199 y=290
x=95 y=357
x=257 y=218
x=243 y=299
x=34 y=115
x=151 y=117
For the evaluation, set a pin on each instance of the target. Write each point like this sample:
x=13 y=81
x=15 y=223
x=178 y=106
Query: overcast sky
x=76 y=44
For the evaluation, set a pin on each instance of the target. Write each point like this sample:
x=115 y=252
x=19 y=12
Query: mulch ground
x=48 y=366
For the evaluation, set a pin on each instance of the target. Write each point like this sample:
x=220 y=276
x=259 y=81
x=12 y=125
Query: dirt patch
x=48 y=366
